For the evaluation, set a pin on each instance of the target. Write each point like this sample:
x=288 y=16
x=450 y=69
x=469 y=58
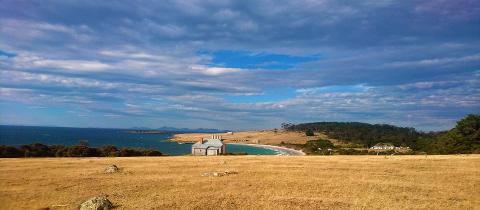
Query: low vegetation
x=318 y=147
x=309 y=133
x=80 y=150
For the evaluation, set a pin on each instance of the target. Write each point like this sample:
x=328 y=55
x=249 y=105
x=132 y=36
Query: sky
x=238 y=65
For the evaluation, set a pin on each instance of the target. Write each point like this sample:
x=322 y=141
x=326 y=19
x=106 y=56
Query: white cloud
x=214 y=71
x=29 y=60
x=79 y=65
x=144 y=60
x=435 y=61
x=30 y=30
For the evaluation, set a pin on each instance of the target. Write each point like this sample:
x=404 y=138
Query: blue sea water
x=20 y=135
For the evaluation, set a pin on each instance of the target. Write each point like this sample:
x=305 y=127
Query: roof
x=208 y=143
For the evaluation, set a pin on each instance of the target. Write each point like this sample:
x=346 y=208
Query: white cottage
x=383 y=146
x=209 y=146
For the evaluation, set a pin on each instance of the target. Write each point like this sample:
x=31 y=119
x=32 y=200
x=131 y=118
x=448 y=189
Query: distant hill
x=189 y=130
x=180 y=130
x=463 y=138
x=140 y=128
x=361 y=133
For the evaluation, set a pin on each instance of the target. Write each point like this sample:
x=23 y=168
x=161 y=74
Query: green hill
x=464 y=138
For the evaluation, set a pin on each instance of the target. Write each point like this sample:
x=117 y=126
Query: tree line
x=463 y=138
x=80 y=150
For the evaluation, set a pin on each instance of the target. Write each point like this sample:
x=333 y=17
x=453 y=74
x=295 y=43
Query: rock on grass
x=96 y=203
x=111 y=169
x=217 y=174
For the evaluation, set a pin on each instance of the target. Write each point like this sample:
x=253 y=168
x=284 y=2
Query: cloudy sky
x=238 y=64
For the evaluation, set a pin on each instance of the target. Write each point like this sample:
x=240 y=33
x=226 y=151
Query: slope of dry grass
x=262 y=182
x=255 y=137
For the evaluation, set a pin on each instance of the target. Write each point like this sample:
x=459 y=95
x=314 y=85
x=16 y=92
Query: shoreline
x=280 y=150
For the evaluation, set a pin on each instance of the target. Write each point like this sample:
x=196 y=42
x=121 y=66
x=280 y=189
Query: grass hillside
x=261 y=182
x=270 y=137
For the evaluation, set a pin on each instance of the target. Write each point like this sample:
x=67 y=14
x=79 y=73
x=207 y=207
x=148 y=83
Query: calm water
x=20 y=135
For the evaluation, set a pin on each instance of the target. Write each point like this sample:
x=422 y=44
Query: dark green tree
x=464 y=138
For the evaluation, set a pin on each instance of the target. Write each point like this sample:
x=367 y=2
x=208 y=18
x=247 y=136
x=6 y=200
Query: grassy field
x=256 y=137
x=262 y=182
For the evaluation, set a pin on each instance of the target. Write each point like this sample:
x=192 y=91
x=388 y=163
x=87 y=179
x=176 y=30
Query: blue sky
x=261 y=60
x=238 y=64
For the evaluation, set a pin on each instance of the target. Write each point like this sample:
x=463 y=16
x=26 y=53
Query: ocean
x=96 y=137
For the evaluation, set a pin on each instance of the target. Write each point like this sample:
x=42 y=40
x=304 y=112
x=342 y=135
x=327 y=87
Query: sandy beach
x=267 y=139
x=280 y=150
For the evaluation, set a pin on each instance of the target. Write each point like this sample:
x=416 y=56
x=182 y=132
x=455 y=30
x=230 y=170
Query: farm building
x=209 y=146
x=383 y=146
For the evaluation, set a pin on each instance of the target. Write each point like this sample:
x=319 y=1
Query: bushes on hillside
x=359 y=133
x=81 y=150
x=318 y=146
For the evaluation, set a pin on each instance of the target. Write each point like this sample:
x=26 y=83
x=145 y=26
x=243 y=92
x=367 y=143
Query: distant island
x=148 y=132
x=162 y=130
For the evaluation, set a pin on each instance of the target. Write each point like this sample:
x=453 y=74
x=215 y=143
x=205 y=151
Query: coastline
x=252 y=136
x=280 y=150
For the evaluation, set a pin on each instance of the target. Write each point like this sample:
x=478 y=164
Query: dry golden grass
x=255 y=137
x=262 y=182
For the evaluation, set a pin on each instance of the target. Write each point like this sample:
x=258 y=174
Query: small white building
x=209 y=146
x=383 y=146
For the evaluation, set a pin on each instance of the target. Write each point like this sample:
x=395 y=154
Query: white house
x=383 y=146
x=209 y=146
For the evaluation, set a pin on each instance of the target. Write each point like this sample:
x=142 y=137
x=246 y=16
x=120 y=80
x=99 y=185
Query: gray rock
x=229 y=172
x=217 y=174
x=96 y=203
x=111 y=169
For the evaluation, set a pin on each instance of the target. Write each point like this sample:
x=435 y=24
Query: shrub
x=82 y=151
x=36 y=150
x=109 y=151
x=318 y=146
x=309 y=133
x=152 y=153
x=40 y=150
x=58 y=150
x=10 y=152
x=126 y=152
